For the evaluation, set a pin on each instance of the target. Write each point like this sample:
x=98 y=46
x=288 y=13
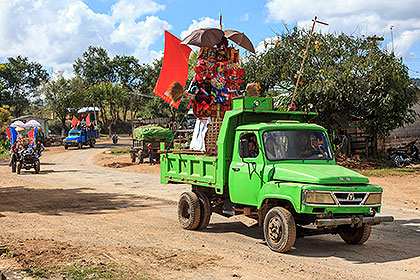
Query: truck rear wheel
x=356 y=235
x=92 y=143
x=79 y=145
x=205 y=209
x=66 y=147
x=189 y=210
x=18 y=167
x=133 y=157
x=141 y=158
x=37 y=166
x=279 y=229
x=13 y=166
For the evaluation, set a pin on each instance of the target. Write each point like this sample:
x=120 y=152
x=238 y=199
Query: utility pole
x=304 y=55
x=392 y=39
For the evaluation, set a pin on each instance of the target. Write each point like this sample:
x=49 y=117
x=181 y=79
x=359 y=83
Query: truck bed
x=188 y=169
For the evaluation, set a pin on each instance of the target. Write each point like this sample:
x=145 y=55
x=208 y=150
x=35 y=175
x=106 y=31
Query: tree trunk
x=63 y=127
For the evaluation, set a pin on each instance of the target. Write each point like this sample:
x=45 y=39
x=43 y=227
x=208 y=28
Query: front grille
x=350 y=198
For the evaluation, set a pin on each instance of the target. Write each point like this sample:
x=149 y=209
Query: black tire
x=66 y=147
x=141 y=158
x=133 y=157
x=79 y=145
x=189 y=210
x=13 y=166
x=356 y=235
x=279 y=229
x=92 y=144
x=37 y=166
x=18 y=167
x=205 y=210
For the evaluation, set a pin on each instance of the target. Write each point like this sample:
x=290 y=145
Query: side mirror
x=244 y=148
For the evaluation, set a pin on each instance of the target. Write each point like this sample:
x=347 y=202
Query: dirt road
x=78 y=212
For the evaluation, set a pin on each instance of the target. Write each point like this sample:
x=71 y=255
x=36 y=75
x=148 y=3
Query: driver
x=302 y=147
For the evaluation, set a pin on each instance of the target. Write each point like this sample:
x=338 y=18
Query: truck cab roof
x=280 y=124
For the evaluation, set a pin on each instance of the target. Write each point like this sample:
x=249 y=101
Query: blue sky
x=56 y=32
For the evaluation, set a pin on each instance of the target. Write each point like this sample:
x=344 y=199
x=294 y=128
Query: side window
x=252 y=144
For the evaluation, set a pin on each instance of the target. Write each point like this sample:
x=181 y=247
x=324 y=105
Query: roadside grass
x=4 y=156
x=82 y=272
x=389 y=171
x=119 y=151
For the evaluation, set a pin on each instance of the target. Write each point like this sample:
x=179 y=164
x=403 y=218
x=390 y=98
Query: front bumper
x=355 y=220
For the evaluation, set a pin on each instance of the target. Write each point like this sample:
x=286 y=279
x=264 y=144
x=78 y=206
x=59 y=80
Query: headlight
x=374 y=198
x=318 y=198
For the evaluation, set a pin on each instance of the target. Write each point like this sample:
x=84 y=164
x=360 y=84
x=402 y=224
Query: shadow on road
x=236 y=227
x=54 y=201
x=389 y=242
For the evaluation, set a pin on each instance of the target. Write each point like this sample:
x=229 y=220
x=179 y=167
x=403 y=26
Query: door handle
x=235 y=169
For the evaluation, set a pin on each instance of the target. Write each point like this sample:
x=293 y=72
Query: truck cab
x=275 y=169
x=79 y=138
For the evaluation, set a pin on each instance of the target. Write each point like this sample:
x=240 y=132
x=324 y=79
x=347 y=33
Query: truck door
x=245 y=172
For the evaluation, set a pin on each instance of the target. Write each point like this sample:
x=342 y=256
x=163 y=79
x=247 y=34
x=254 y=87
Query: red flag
x=9 y=135
x=74 y=121
x=174 y=67
x=32 y=133
x=88 y=122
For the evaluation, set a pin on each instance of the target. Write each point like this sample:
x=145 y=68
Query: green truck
x=275 y=168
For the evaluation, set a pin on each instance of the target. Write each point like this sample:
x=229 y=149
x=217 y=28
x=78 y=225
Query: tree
x=20 y=79
x=5 y=116
x=62 y=96
x=346 y=78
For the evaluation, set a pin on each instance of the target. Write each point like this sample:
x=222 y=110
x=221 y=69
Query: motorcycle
x=405 y=157
x=28 y=159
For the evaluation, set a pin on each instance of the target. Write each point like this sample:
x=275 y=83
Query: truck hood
x=317 y=173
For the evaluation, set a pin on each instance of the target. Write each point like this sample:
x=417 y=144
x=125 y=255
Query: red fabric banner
x=74 y=121
x=88 y=122
x=174 y=67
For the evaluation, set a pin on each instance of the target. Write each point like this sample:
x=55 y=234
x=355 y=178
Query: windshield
x=74 y=133
x=296 y=144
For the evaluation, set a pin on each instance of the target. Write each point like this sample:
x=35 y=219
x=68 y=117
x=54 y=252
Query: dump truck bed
x=188 y=169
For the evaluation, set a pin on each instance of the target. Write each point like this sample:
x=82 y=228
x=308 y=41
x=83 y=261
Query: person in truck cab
x=252 y=149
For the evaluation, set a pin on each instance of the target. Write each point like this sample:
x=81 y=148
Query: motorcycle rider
x=115 y=138
x=39 y=148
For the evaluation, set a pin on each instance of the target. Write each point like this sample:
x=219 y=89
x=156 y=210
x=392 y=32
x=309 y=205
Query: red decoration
x=88 y=122
x=174 y=67
x=74 y=121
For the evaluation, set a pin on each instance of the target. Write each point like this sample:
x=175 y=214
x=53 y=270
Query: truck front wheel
x=79 y=145
x=133 y=157
x=92 y=143
x=279 y=229
x=356 y=235
x=189 y=210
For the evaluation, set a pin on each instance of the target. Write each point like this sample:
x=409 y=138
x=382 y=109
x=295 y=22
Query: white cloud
x=201 y=23
x=55 y=33
x=355 y=17
x=245 y=17
x=133 y=9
